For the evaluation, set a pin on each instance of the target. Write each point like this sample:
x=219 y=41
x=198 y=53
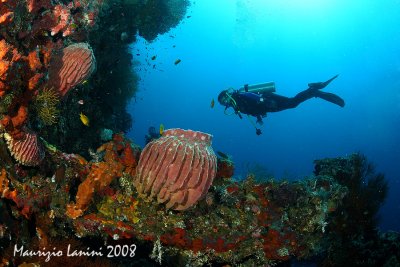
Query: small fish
x=85 y=82
x=161 y=129
x=212 y=103
x=80 y=102
x=84 y=119
x=153 y=57
x=177 y=61
x=222 y=155
x=188 y=16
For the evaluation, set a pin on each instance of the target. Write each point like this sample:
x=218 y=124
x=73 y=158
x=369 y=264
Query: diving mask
x=225 y=98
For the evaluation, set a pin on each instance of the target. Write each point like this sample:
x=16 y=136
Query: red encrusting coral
x=34 y=61
x=65 y=20
x=4 y=188
x=7 y=11
x=26 y=199
x=6 y=18
x=100 y=176
x=92 y=222
x=177 y=168
x=35 y=5
x=68 y=20
x=20 y=118
x=15 y=122
x=180 y=238
x=273 y=242
x=119 y=158
x=9 y=58
x=225 y=168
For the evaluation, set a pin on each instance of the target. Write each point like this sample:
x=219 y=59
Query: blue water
x=228 y=43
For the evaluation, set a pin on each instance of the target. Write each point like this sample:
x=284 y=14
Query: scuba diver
x=257 y=100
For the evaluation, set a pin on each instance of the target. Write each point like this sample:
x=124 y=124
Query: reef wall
x=35 y=39
x=65 y=79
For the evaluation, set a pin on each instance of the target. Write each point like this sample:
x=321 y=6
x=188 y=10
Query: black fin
x=321 y=85
x=335 y=99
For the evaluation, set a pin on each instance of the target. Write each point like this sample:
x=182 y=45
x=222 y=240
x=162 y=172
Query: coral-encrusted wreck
x=88 y=203
x=57 y=193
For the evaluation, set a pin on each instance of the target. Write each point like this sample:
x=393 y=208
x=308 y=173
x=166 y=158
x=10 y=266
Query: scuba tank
x=261 y=88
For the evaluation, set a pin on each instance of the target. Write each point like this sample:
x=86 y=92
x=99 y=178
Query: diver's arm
x=236 y=98
x=237 y=111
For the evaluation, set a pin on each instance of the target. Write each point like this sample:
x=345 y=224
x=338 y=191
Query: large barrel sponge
x=177 y=168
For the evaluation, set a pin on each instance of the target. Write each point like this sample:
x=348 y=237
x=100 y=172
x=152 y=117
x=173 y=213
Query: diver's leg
x=303 y=96
x=283 y=102
x=276 y=102
x=292 y=102
x=313 y=91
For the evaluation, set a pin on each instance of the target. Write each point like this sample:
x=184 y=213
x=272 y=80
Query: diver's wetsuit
x=259 y=104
